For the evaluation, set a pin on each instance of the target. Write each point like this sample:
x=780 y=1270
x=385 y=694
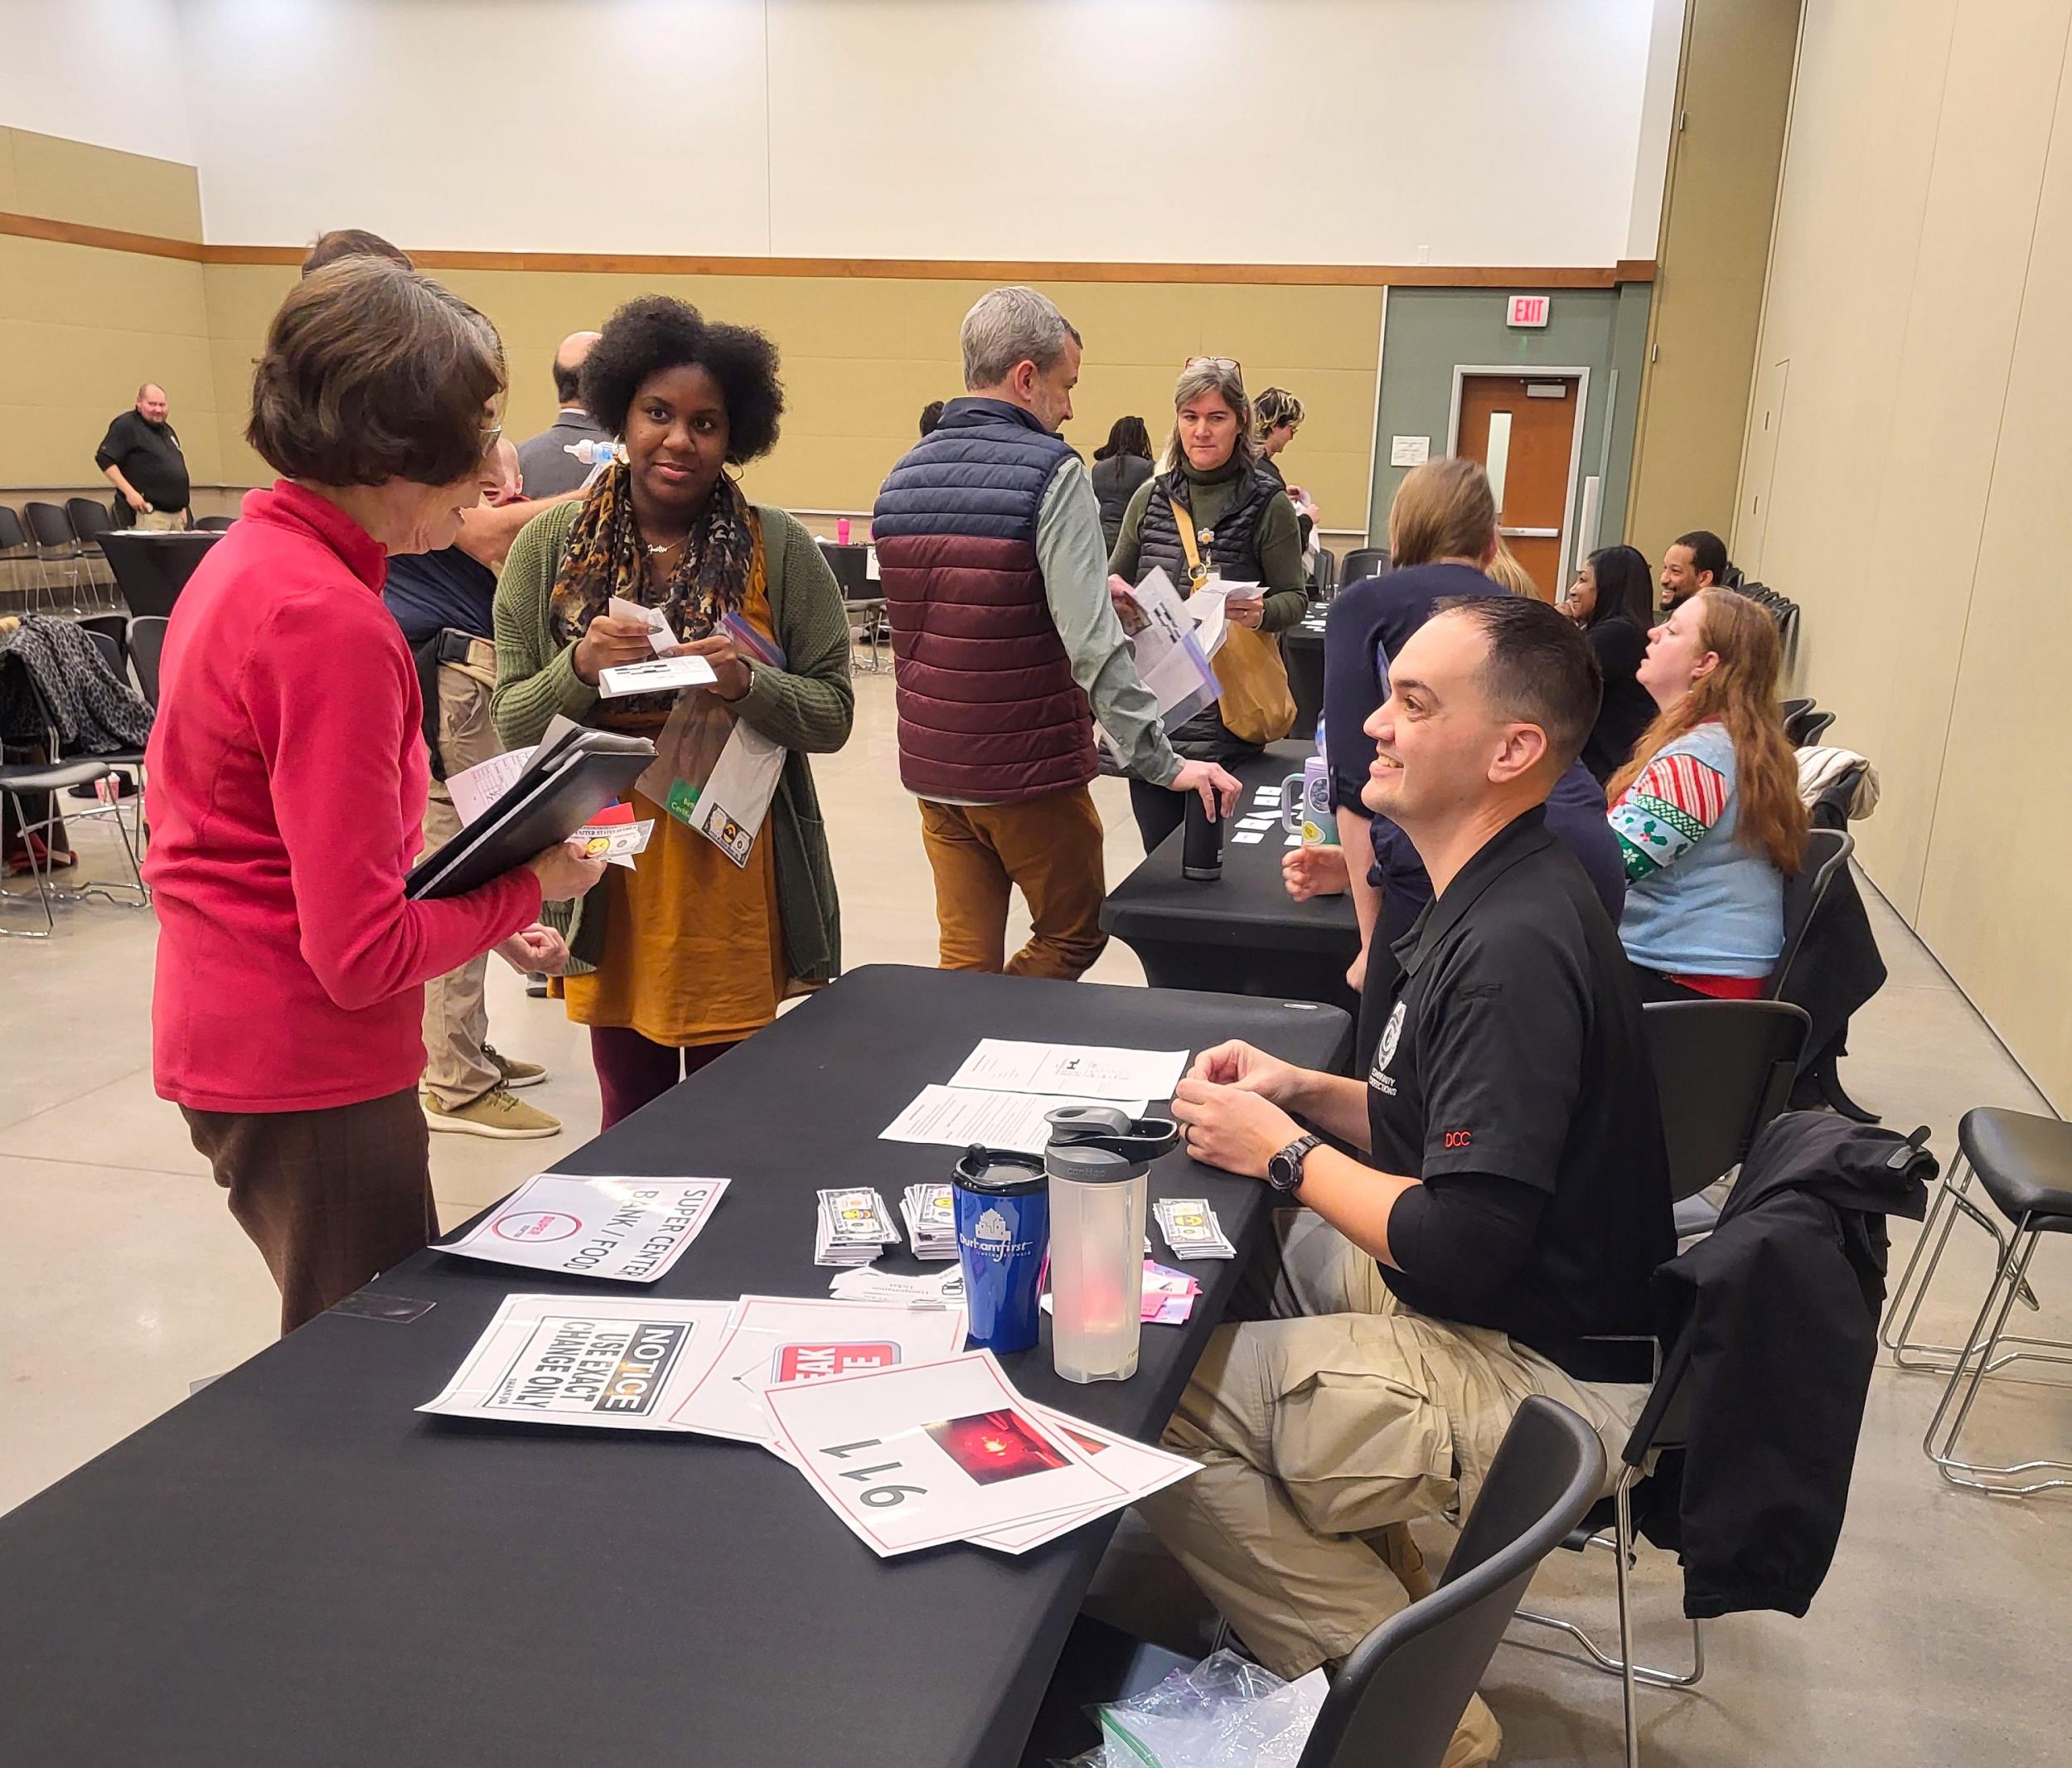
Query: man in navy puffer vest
x=995 y=577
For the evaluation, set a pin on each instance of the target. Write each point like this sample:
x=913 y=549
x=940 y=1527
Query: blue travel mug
x=1002 y=1202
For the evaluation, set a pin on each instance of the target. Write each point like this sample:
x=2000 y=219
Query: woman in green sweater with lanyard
x=1239 y=527
x=731 y=907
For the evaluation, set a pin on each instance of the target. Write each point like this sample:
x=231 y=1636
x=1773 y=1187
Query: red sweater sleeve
x=332 y=704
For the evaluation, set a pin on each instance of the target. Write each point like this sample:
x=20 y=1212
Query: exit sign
x=1527 y=310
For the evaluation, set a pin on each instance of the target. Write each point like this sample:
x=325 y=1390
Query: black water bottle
x=1202 y=843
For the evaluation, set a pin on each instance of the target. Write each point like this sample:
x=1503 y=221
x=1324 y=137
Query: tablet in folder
x=540 y=809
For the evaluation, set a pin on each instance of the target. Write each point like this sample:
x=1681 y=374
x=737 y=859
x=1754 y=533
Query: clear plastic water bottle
x=1097 y=1164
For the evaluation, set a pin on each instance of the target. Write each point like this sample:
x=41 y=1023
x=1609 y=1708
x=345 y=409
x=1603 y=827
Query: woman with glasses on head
x=677 y=960
x=1239 y=525
x=1613 y=600
x=285 y=786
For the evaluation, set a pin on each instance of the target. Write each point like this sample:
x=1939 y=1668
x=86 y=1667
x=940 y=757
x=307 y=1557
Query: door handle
x=1530 y=534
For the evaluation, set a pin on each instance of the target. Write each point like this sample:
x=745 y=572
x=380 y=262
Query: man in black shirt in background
x=141 y=456
x=1514 y=1200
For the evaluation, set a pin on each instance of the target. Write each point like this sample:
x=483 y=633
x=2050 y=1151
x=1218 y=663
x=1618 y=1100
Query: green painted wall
x=1429 y=331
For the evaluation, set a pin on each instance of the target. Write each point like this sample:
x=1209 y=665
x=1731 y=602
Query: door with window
x=1524 y=428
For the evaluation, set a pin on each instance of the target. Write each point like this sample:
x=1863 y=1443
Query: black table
x=1302 y=650
x=1243 y=934
x=152 y=567
x=294 y=1568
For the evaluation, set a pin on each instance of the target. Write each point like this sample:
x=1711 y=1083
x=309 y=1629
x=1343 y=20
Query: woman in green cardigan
x=688 y=953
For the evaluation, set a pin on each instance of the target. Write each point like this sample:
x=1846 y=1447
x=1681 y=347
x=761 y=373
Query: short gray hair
x=1010 y=326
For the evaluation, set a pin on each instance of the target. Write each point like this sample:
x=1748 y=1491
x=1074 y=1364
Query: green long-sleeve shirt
x=1277 y=539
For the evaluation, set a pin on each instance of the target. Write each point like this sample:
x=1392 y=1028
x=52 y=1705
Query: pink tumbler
x=841 y=531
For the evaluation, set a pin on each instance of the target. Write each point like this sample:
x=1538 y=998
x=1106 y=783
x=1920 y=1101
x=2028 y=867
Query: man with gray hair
x=995 y=577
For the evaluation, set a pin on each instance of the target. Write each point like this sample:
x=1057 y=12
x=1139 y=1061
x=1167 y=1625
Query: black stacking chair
x=216 y=524
x=16 y=550
x=1402 y=1689
x=1363 y=561
x=50 y=533
x=1828 y=851
x=89 y=521
x=1806 y=728
x=147 y=646
x=1723 y=1069
x=32 y=790
x=2022 y=1163
x=1323 y=575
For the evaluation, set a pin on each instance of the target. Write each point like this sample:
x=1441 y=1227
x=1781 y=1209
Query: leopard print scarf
x=605 y=557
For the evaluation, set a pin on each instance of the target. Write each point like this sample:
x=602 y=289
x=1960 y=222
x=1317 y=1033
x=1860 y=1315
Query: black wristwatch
x=1284 y=1171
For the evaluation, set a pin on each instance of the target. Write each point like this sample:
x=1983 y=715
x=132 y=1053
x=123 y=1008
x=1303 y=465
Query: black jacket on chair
x=1783 y=1298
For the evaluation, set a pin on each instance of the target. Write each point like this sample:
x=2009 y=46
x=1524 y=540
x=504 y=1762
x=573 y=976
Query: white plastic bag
x=1225 y=1712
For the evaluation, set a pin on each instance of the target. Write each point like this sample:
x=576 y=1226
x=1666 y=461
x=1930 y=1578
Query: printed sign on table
x=628 y=1230
x=622 y=1366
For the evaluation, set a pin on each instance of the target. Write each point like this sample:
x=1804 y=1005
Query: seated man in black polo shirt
x=1514 y=1201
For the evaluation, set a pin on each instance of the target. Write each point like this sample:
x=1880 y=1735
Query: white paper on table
x=1084 y=1071
x=622 y=1365
x=868 y=1283
x=1139 y=1466
x=660 y=638
x=474 y=789
x=736 y=798
x=778 y=1340
x=629 y=1230
x=663 y=675
x=934 y=1452
x=957 y=1117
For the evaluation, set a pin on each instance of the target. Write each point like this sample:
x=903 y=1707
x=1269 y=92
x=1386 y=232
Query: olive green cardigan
x=808 y=706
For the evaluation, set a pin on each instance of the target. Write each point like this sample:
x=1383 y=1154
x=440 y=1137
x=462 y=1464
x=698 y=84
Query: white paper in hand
x=623 y=1365
x=933 y=1453
x=660 y=638
x=630 y=1230
x=665 y=674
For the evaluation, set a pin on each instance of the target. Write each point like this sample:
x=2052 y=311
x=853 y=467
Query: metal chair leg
x=1953 y=1200
x=1976 y=1360
x=40 y=875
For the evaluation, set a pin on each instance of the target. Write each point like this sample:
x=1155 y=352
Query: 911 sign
x=1527 y=310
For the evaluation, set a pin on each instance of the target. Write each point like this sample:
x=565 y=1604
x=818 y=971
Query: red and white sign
x=1527 y=310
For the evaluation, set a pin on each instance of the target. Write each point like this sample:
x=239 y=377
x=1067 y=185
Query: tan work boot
x=495 y=1114
x=1476 y=1739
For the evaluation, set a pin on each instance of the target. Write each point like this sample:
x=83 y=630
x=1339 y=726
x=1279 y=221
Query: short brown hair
x=372 y=373
x=1443 y=510
x=1540 y=668
x=352 y=242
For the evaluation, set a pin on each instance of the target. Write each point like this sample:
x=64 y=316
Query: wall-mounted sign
x=1527 y=310
x=1409 y=451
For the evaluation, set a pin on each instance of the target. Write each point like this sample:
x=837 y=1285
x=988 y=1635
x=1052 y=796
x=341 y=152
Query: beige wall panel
x=9 y=190
x=85 y=286
x=72 y=181
x=1948 y=382
x=1997 y=897
x=1708 y=296
x=863 y=354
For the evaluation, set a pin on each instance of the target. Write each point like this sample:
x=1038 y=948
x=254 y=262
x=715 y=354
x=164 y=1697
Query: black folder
x=540 y=809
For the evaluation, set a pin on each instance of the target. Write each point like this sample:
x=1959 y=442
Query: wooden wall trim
x=934 y=270
x=108 y=239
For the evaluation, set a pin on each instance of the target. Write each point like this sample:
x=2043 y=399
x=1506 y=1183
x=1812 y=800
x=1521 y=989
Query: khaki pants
x=455 y=1017
x=1317 y=1432
x=1051 y=847
x=332 y=1197
x=161 y=521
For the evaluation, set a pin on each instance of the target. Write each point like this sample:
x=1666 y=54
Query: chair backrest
x=147 y=645
x=216 y=524
x=1788 y=710
x=1323 y=574
x=1723 y=1069
x=12 y=534
x=1404 y=1687
x=1828 y=851
x=87 y=517
x=1807 y=729
x=49 y=525
x=111 y=649
x=1364 y=561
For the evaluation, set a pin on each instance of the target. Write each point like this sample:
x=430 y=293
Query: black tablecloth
x=1243 y=934
x=294 y=1568
x=1302 y=650
x=152 y=567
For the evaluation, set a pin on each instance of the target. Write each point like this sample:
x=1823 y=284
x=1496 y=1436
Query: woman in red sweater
x=287 y=779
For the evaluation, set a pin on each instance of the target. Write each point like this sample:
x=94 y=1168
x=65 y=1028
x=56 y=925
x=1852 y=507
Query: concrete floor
x=1936 y=1640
